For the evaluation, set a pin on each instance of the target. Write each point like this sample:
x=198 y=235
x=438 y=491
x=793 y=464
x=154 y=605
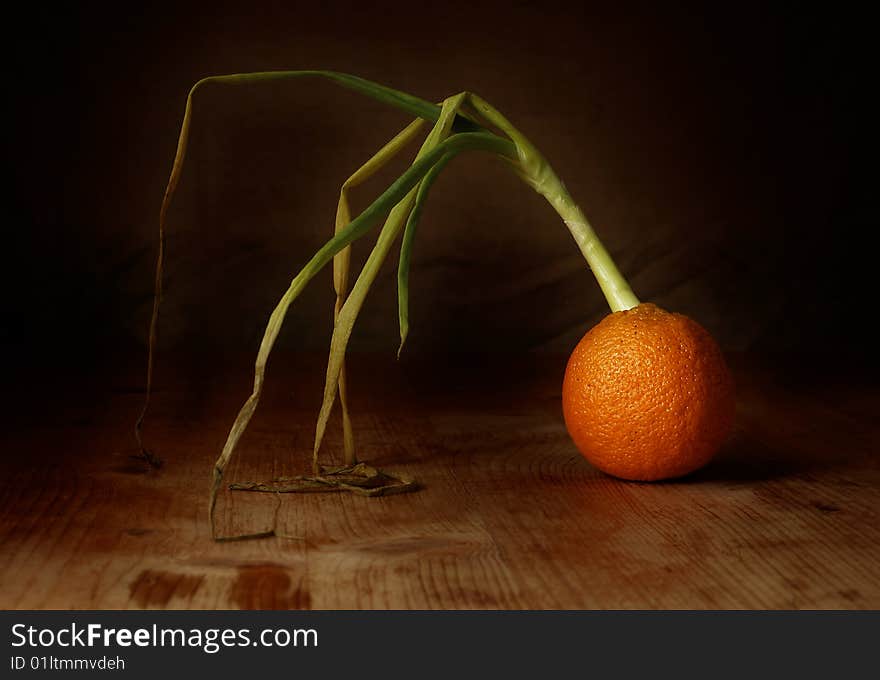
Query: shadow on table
x=743 y=460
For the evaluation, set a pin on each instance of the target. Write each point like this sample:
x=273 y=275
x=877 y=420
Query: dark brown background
x=711 y=149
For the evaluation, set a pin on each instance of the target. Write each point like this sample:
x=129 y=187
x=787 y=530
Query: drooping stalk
x=345 y=321
x=477 y=141
x=395 y=98
x=400 y=100
x=342 y=260
x=536 y=171
x=406 y=246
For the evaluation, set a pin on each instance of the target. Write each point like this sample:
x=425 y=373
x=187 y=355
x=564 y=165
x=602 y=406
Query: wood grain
x=509 y=516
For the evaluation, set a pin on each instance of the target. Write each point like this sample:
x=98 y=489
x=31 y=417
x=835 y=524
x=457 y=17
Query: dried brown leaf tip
x=360 y=478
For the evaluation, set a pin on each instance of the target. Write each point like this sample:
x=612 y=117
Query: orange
x=647 y=395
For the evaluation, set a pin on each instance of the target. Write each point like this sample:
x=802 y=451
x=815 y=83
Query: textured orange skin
x=647 y=395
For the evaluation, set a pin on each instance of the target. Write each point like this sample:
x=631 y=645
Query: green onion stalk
x=459 y=124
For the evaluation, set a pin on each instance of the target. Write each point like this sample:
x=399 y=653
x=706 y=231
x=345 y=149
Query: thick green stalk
x=536 y=171
x=614 y=286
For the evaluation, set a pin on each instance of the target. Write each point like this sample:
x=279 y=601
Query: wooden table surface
x=509 y=514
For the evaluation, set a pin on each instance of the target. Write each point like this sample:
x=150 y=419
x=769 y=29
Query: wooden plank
x=509 y=516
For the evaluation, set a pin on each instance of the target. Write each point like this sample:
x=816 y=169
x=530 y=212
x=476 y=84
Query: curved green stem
x=406 y=246
x=614 y=286
x=534 y=169
x=404 y=101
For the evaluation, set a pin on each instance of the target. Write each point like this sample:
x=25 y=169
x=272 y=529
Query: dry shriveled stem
x=348 y=314
x=342 y=260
